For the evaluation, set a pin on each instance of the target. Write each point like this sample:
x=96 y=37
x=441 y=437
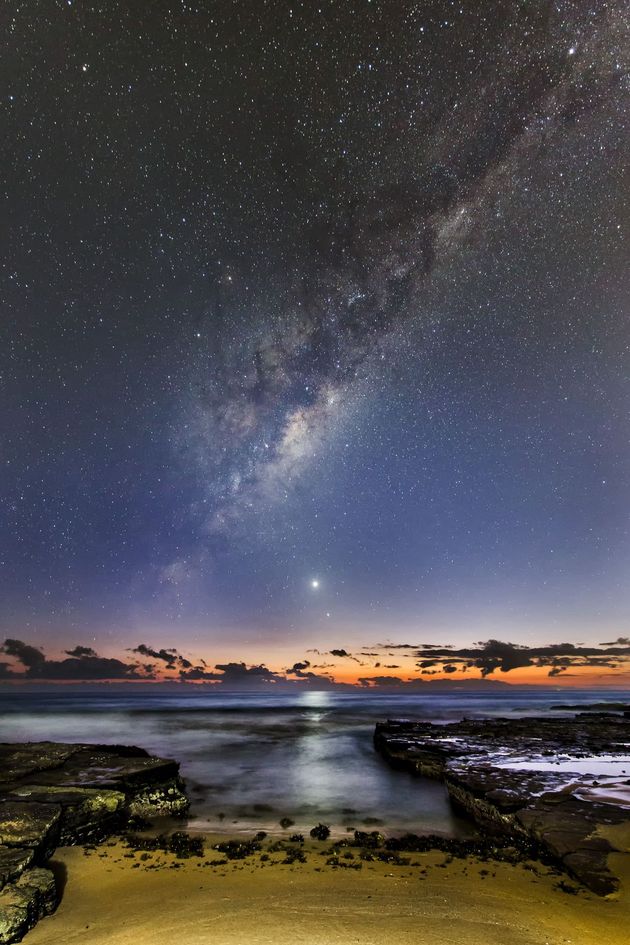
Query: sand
x=109 y=901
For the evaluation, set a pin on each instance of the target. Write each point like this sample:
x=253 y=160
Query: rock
x=20 y=760
x=368 y=840
x=85 y=813
x=183 y=845
x=166 y=800
x=97 y=787
x=24 y=902
x=13 y=862
x=539 y=803
x=35 y=826
x=52 y=793
x=238 y=849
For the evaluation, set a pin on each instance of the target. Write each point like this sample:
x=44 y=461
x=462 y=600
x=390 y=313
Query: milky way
x=324 y=291
x=367 y=259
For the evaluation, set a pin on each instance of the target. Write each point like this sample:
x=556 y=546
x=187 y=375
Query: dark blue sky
x=330 y=293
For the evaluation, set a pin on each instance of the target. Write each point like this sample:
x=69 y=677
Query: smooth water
x=252 y=759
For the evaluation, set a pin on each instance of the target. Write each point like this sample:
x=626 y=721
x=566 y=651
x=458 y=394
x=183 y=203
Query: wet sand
x=111 y=899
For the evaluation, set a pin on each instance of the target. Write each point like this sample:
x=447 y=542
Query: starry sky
x=314 y=335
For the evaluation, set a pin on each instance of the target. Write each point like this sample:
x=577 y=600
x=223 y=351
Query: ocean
x=250 y=760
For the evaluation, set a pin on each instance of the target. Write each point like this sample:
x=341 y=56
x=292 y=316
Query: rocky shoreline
x=54 y=794
x=530 y=780
x=527 y=783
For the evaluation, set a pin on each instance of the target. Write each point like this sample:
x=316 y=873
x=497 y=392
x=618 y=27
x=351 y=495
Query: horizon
x=418 y=668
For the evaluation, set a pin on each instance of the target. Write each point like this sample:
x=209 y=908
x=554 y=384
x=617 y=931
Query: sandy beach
x=111 y=898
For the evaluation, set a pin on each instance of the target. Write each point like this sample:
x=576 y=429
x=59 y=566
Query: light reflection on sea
x=252 y=759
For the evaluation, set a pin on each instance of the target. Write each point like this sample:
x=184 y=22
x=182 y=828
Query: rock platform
x=555 y=782
x=54 y=794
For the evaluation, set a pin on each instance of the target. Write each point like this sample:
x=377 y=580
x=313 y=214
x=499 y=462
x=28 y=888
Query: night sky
x=314 y=329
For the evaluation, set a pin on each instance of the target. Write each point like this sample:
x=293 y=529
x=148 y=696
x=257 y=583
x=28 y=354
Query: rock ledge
x=552 y=781
x=54 y=794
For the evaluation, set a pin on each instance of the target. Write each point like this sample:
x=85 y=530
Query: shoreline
x=114 y=898
x=532 y=833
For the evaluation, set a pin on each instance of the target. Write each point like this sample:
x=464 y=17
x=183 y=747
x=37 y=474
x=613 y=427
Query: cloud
x=81 y=651
x=495 y=655
x=86 y=666
x=170 y=656
x=233 y=675
x=298 y=669
x=199 y=674
x=233 y=671
x=488 y=657
x=28 y=655
x=375 y=682
x=397 y=646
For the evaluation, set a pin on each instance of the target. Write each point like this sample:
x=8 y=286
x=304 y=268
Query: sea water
x=251 y=759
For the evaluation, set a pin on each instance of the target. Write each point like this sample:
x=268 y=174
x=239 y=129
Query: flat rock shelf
x=558 y=783
x=54 y=794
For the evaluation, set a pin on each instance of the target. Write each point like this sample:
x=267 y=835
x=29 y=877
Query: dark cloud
x=388 y=682
x=87 y=666
x=298 y=669
x=397 y=646
x=241 y=676
x=341 y=653
x=81 y=651
x=170 y=656
x=439 y=661
x=495 y=655
x=199 y=674
x=242 y=671
x=28 y=655
x=235 y=675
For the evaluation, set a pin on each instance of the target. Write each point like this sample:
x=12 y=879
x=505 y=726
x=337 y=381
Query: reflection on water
x=251 y=759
